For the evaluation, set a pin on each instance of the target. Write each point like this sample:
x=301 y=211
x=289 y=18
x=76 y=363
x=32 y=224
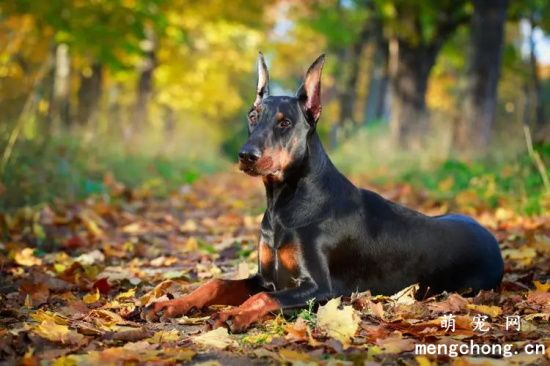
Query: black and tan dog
x=323 y=237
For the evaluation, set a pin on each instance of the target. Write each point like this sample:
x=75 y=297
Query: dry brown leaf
x=453 y=304
x=297 y=331
x=406 y=296
x=396 y=344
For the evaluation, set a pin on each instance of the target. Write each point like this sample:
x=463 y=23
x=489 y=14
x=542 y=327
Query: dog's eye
x=252 y=117
x=285 y=123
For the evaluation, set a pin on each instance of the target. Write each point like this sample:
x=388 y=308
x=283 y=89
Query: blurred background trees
x=93 y=91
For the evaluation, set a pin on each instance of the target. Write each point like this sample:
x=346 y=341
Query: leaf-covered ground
x=73 y=277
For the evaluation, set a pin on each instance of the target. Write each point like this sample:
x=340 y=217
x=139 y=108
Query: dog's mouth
x=257 y=171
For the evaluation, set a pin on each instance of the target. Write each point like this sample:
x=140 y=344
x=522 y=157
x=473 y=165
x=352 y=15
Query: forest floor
x=74 y=276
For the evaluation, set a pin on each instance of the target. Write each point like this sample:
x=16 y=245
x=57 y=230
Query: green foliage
x=421 y=22
x=340 y=24
x=308 y=313
x=66 y=168
x=516 y=183
x=501 y=179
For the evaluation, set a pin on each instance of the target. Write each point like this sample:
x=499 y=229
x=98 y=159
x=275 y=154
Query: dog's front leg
x=258 y=306
x=214 y=292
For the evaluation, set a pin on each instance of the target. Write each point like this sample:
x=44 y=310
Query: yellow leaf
x=92 y=297
x=217 y=338
x=492 y=311
x=43 y=315
x=294 y=356
x=423 y=361
x=523 y=256
x=189 y=226
x=130 y=294
x=26 y=258
x=543 y=287
x=164 y=336
x=105 y=319
x=338 y=323
x=58 y=333
x=191 y=245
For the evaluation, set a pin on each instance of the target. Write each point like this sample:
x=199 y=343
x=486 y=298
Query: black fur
x=348 y=239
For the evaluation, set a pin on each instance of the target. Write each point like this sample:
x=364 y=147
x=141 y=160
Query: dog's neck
x=313 y=168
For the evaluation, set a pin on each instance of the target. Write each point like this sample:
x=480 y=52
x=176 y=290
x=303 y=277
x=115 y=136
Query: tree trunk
x=378 y=83
x=537 y=88
x=145 y=83
x=348 y=97
x=410 y=69
x=60 y=102
x=486 y=38
x=89 y=94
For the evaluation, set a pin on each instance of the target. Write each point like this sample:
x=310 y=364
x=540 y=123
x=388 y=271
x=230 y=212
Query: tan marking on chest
x=266 y=254
x=289 y=256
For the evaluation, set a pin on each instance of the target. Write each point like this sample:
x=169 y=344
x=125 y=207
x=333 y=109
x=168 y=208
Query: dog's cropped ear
x=310 y=91
x=262 y=90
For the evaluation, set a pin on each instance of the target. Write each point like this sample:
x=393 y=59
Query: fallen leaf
x=58 y=333
x=423 y=361
x=542 y=287
x=93 y=257
x=37 y=292
x=290 y=355
x=127 y=295
x=165 y=336
x=27 y=258
x=396 y=344
x=102 y=285
x=453 y=304
x=492 y=311
x=92 y=297
x=340 y=324
x=208 y=363
x=540 y=298
x=43 y=315
x=217 y=338
x=406 y=296
x=297 y=331
x=523 y=256
x=105 y=319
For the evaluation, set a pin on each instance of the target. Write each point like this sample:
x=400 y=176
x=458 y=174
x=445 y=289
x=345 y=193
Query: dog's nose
x=249 y=154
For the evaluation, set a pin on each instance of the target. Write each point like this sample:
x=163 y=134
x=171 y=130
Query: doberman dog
x=322 y=237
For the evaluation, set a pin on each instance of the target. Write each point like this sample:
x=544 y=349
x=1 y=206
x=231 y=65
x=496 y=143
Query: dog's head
x=279 y=126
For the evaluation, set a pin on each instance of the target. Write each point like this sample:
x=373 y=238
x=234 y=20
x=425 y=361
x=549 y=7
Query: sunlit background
x=450 y=96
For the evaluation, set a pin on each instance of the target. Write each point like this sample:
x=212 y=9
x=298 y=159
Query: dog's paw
x=237 y=321
x=163 y=310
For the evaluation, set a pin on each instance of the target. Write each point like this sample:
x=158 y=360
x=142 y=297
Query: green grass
x=67 y=168
x=72 y=167
x=515 y=184
x=502 y=178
